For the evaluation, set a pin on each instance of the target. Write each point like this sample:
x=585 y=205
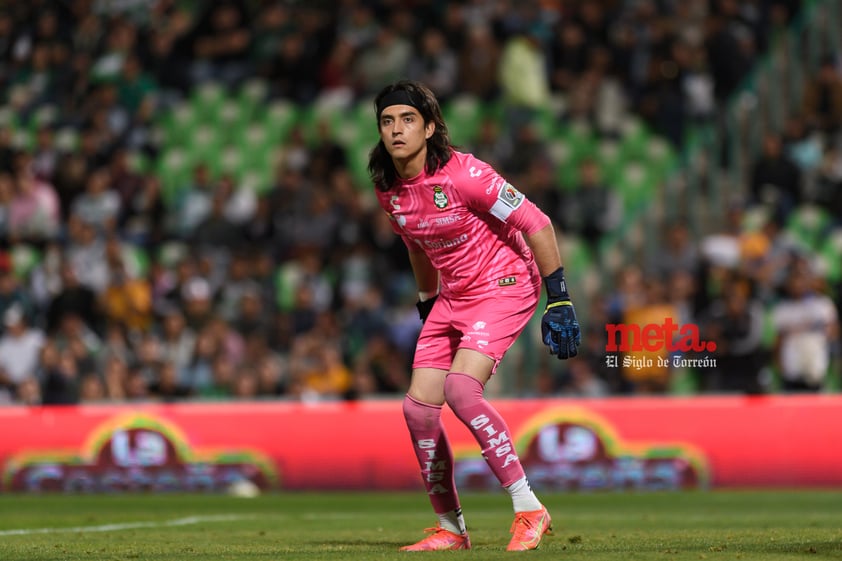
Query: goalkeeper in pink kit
x=480 y=252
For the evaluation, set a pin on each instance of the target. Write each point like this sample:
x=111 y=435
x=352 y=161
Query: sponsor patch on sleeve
x=508 y=199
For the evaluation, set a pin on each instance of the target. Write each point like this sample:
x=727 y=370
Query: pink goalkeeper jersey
x=468 y=220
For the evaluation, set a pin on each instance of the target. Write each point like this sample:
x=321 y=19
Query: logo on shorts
x=439 y=198
x=478 y=325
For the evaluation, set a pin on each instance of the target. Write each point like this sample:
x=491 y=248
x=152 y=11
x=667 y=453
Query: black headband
x=398 y=97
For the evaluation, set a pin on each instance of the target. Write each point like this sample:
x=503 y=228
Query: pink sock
x=433 y=452
x=464 y=395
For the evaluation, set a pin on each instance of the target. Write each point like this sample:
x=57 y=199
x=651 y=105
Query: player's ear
x=429 y=129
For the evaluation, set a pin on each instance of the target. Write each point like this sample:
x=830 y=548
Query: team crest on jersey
x=510 y=196
x=439 y=198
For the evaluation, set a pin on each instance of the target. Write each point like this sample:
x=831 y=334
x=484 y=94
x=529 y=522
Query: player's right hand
x=559 y=325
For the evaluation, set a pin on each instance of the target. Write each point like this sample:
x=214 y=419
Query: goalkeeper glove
x=559 y=326
x=425 y=307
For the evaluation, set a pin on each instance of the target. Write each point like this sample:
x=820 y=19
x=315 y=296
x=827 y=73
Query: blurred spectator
x=822 y=104
x=168 y=387
x=99 y=205
x=12 y=293
x=478 y=60
x=222 y=379
x=582 y=381
x=491 y=145
x=807 y=327
x=73 y=298
x=775 y=178
x=143 y=215
x=382 y=62
x=802 y=145
x=380 y=368
x=20 y=349
x=292 y=75
x=197 y=302
x=648 y=371
x=828 y=191
x=91 y=389
x=7 y=193
x=194 y=202
x=677 y=251
x=523 y=78
x=316 y=369
x=541 y=186
x=222 y=44
x=595 y=210
x=336 y=86
x=134 y=84
x=435 y=64
x=217 y=230
x=34 y=214
x=127 y=300
x=59 y=375
x=735 y=321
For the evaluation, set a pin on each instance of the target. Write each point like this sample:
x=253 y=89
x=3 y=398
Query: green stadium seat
x=255 y=144
x=808 y=225
x=207 y=98
x=231 y=119
x=463 y=115
x=358 y=164
x=568 y=148
x=24 y=259
x=231 y=160
x=23 y=138
x=136 y=259
x=175 y=170
x=138 y=162
x=9 y=118
x=830 y=256
x=178 y=124
x=636 y=184
x=610 y=159
x=252 y=95
x=45 y=115
x=280 y=116
x=635 y=137
x=258 y=180
x=660 y=155
x=66 y=139
x=204 y=146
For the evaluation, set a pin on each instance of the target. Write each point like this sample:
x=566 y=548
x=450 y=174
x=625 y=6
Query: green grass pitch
x=713 y=525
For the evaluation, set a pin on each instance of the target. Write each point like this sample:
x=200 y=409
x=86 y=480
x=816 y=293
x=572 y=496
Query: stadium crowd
x=111 y=291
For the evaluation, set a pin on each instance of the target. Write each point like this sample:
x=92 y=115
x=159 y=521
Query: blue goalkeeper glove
x=559 y=326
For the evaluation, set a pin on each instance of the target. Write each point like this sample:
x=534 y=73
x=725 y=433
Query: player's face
x=403 y=132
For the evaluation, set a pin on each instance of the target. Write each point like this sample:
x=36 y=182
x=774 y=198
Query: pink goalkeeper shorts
x=489 y=325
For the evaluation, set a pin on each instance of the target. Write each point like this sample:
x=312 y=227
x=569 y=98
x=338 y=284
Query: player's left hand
x=559 y=325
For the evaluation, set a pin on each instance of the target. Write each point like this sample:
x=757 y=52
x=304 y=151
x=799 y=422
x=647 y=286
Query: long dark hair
x=381 y=168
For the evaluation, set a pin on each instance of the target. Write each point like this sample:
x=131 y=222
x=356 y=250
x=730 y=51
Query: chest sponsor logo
x=439 y=197
x=445 y=220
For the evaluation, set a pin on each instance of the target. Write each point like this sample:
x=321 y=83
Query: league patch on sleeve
x=508 y=199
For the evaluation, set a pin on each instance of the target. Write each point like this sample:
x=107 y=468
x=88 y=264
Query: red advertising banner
x=565 y=445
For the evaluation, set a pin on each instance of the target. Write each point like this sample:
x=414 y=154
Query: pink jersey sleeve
x=487 y=191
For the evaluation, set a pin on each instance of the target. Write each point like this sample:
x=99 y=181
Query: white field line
x=189 y=520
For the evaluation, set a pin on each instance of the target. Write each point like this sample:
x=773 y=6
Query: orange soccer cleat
x=528 y=529
x=440 y=540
